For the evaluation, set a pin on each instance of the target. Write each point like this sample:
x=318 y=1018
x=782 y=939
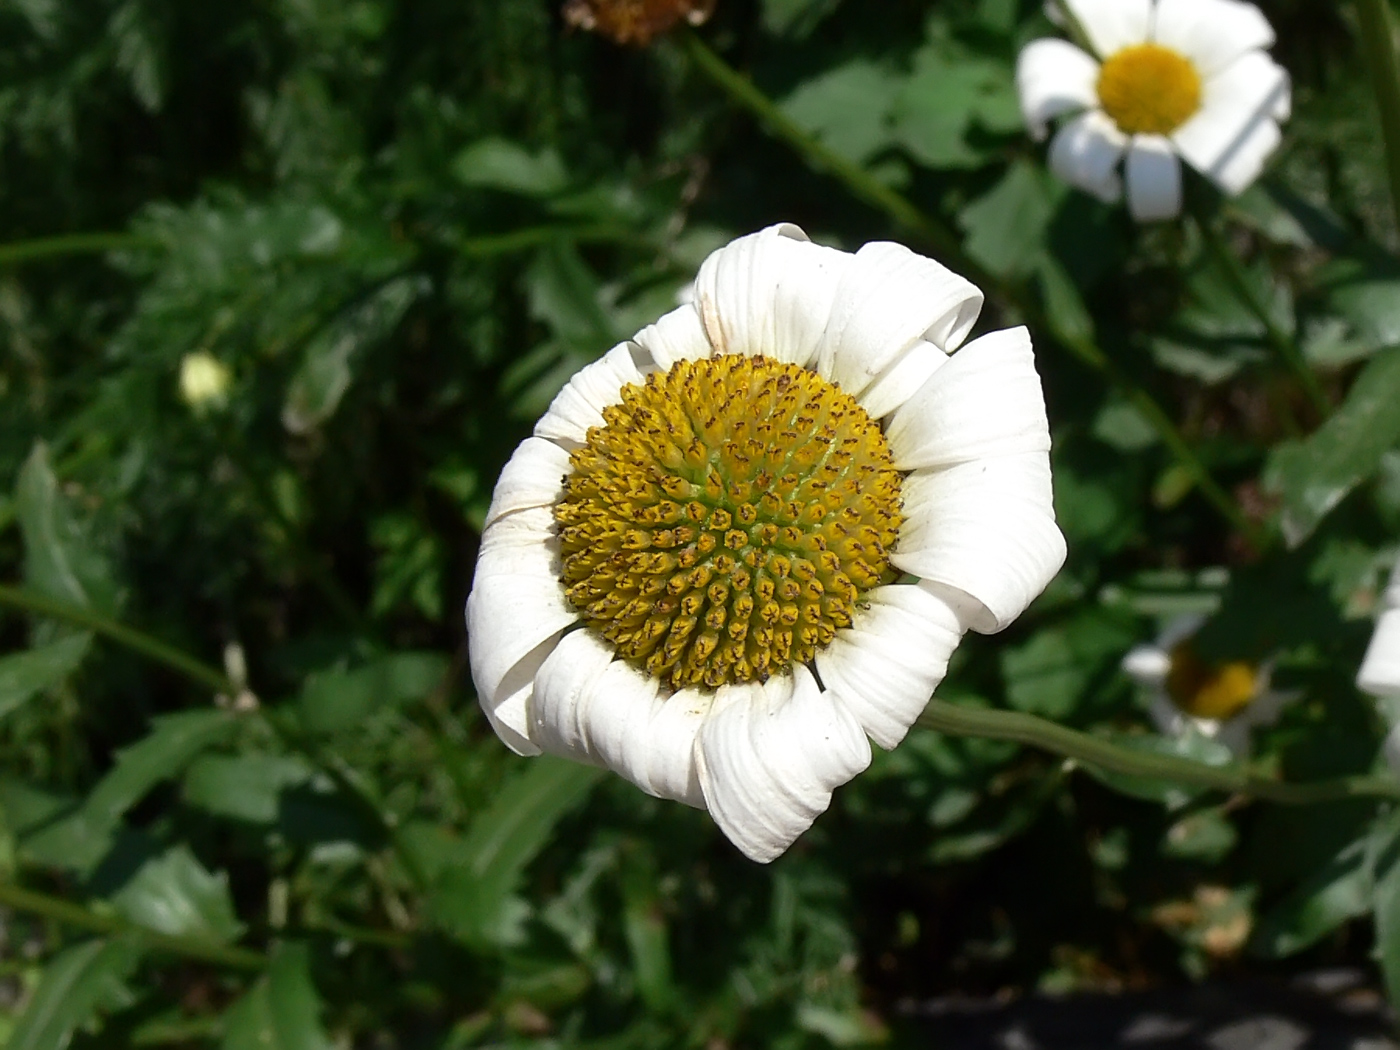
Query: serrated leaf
x=1367 y=294
x=1050 y=674
x=23 y=675
x=244 y=787
x=1315 y=474
x=1340 y=891
x=847 y=107
x=328 y=364
x=336 y=700
x=567 y=295
x=77 y=983
x=1007 y=226
x=499 y=164
x=282 y=1011
x=939 y=102
x=174 y=894
x=58 y=561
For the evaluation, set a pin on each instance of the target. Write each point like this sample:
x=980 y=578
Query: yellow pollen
x=1149 y=89
x=723 y=523
x=1205 y=691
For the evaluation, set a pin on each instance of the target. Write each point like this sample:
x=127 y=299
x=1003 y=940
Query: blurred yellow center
x=1210 y=691
x=1149 y=90
x=724 y=521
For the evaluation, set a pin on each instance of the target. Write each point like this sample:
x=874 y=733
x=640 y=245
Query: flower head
x=204 y=381
x=1166 y=79
x=1380 y=668
x=635 y=21
x=744 y=543
x=1220 y=701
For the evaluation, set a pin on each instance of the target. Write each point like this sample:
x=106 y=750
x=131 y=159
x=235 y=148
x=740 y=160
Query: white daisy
x=1380 y=669
x=1222 y=702
x=1167 y=78
x=691 y=573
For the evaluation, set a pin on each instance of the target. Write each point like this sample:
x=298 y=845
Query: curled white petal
x=768 y=293
x=769 y=756
x=1054 y=77
x=887 y=664
x=676 y=336
x=987 y=528
x=1380 y=669
x=1153 y=177
x=1211 y=33
x=533 y=477
x=986 y=401
x=593 y=388
x=1085 y=153
x=901 y=379
x=563 y=686
x=888 y=299
x=1235 y=130
x=1112 y=25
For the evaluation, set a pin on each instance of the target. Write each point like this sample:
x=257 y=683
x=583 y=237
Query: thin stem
x=76 y=915
x=945 y=241
x=71 y=244
x=958 y=720
x=1378 y=49
x=533 y=236
x=1282 y=342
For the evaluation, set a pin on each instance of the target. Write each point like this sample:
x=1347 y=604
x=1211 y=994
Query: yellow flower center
x=1149 y=90
x=724 y=521
x=1205 y=691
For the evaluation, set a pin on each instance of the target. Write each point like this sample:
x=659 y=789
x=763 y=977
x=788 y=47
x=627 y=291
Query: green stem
x=942 y=238
x=958 y=720
x=1378 y=50
x=70 y=914
x=71 y=244
x=534 y=236
x=1283 y=343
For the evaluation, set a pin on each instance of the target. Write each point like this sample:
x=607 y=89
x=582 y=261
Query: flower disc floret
x=723 y=523
x=1203 y=690
x=1149 y=89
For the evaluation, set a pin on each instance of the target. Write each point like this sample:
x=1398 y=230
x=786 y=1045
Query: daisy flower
x=1167 y=79
x=744 y=543
x=1380 y=669
x=1222 y=702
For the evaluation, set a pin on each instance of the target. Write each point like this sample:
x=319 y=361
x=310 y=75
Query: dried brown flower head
x=634 y=22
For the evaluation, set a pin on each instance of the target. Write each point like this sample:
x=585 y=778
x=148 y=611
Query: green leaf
x=644 y=926
x=58 y=560
x=847 y=108
x=1007 y=226
x=1206 y=835
x=244 y=787
x=409 y=566
x=1385 y=868
x=327 y=367
x=1315 y=474
x=23 y=675
x=1367 y=294
x=499 y=164
x=174 y=894
x=567 y=295
x=795 y=18
x=1340 y=891
x=281 y=1011
x=474 y=878
x=940 y=101
x=77 y=983
x=336 y=700
x=1051 y=673
x=1194 y=746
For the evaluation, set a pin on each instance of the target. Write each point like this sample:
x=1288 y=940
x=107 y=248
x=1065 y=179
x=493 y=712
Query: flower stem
x=71 y=244
x=958 y=720
x=1283 y=343
x=1378 y=49
x=942 y=238
x=70 y=914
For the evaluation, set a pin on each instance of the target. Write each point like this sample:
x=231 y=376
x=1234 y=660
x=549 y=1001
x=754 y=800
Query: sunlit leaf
x=25 y=674
x=1340 y=891
x=173 y=893
x=281 y=1011
x=59 y=561
x=78 y=983
x=335 y=700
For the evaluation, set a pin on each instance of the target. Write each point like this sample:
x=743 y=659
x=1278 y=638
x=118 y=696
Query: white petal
x=769 y=756
x=593 y=388
x=1112 y=25
x=1166 y=716
x=986 y=401
x=676 y=722
x=1179 y=628
x=533 y=477
x=1153 y=175
x=1085 y=153
x=1054 y=77
x=886 y=665
x=677 y=336
x=1211 y=33
x=1391 y=598
x=1234 y=132
x=987 y=528
x=1147 y=665
x=1391 y=750
x=515 y=613
x=563 y=686
x=768 y=294
x=1380 y=670
x=901 y=379
x=888 y=299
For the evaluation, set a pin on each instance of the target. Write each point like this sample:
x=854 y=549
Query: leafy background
x=401 y=227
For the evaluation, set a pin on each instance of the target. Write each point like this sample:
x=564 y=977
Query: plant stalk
x=1378 y=51
x=71 y=244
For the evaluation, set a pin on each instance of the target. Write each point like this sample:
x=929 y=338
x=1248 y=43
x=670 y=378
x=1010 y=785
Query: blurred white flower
x=204 y=381
x=1380 y=668
x=1222 y=702
x=691 y=573
x=1167 y=79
